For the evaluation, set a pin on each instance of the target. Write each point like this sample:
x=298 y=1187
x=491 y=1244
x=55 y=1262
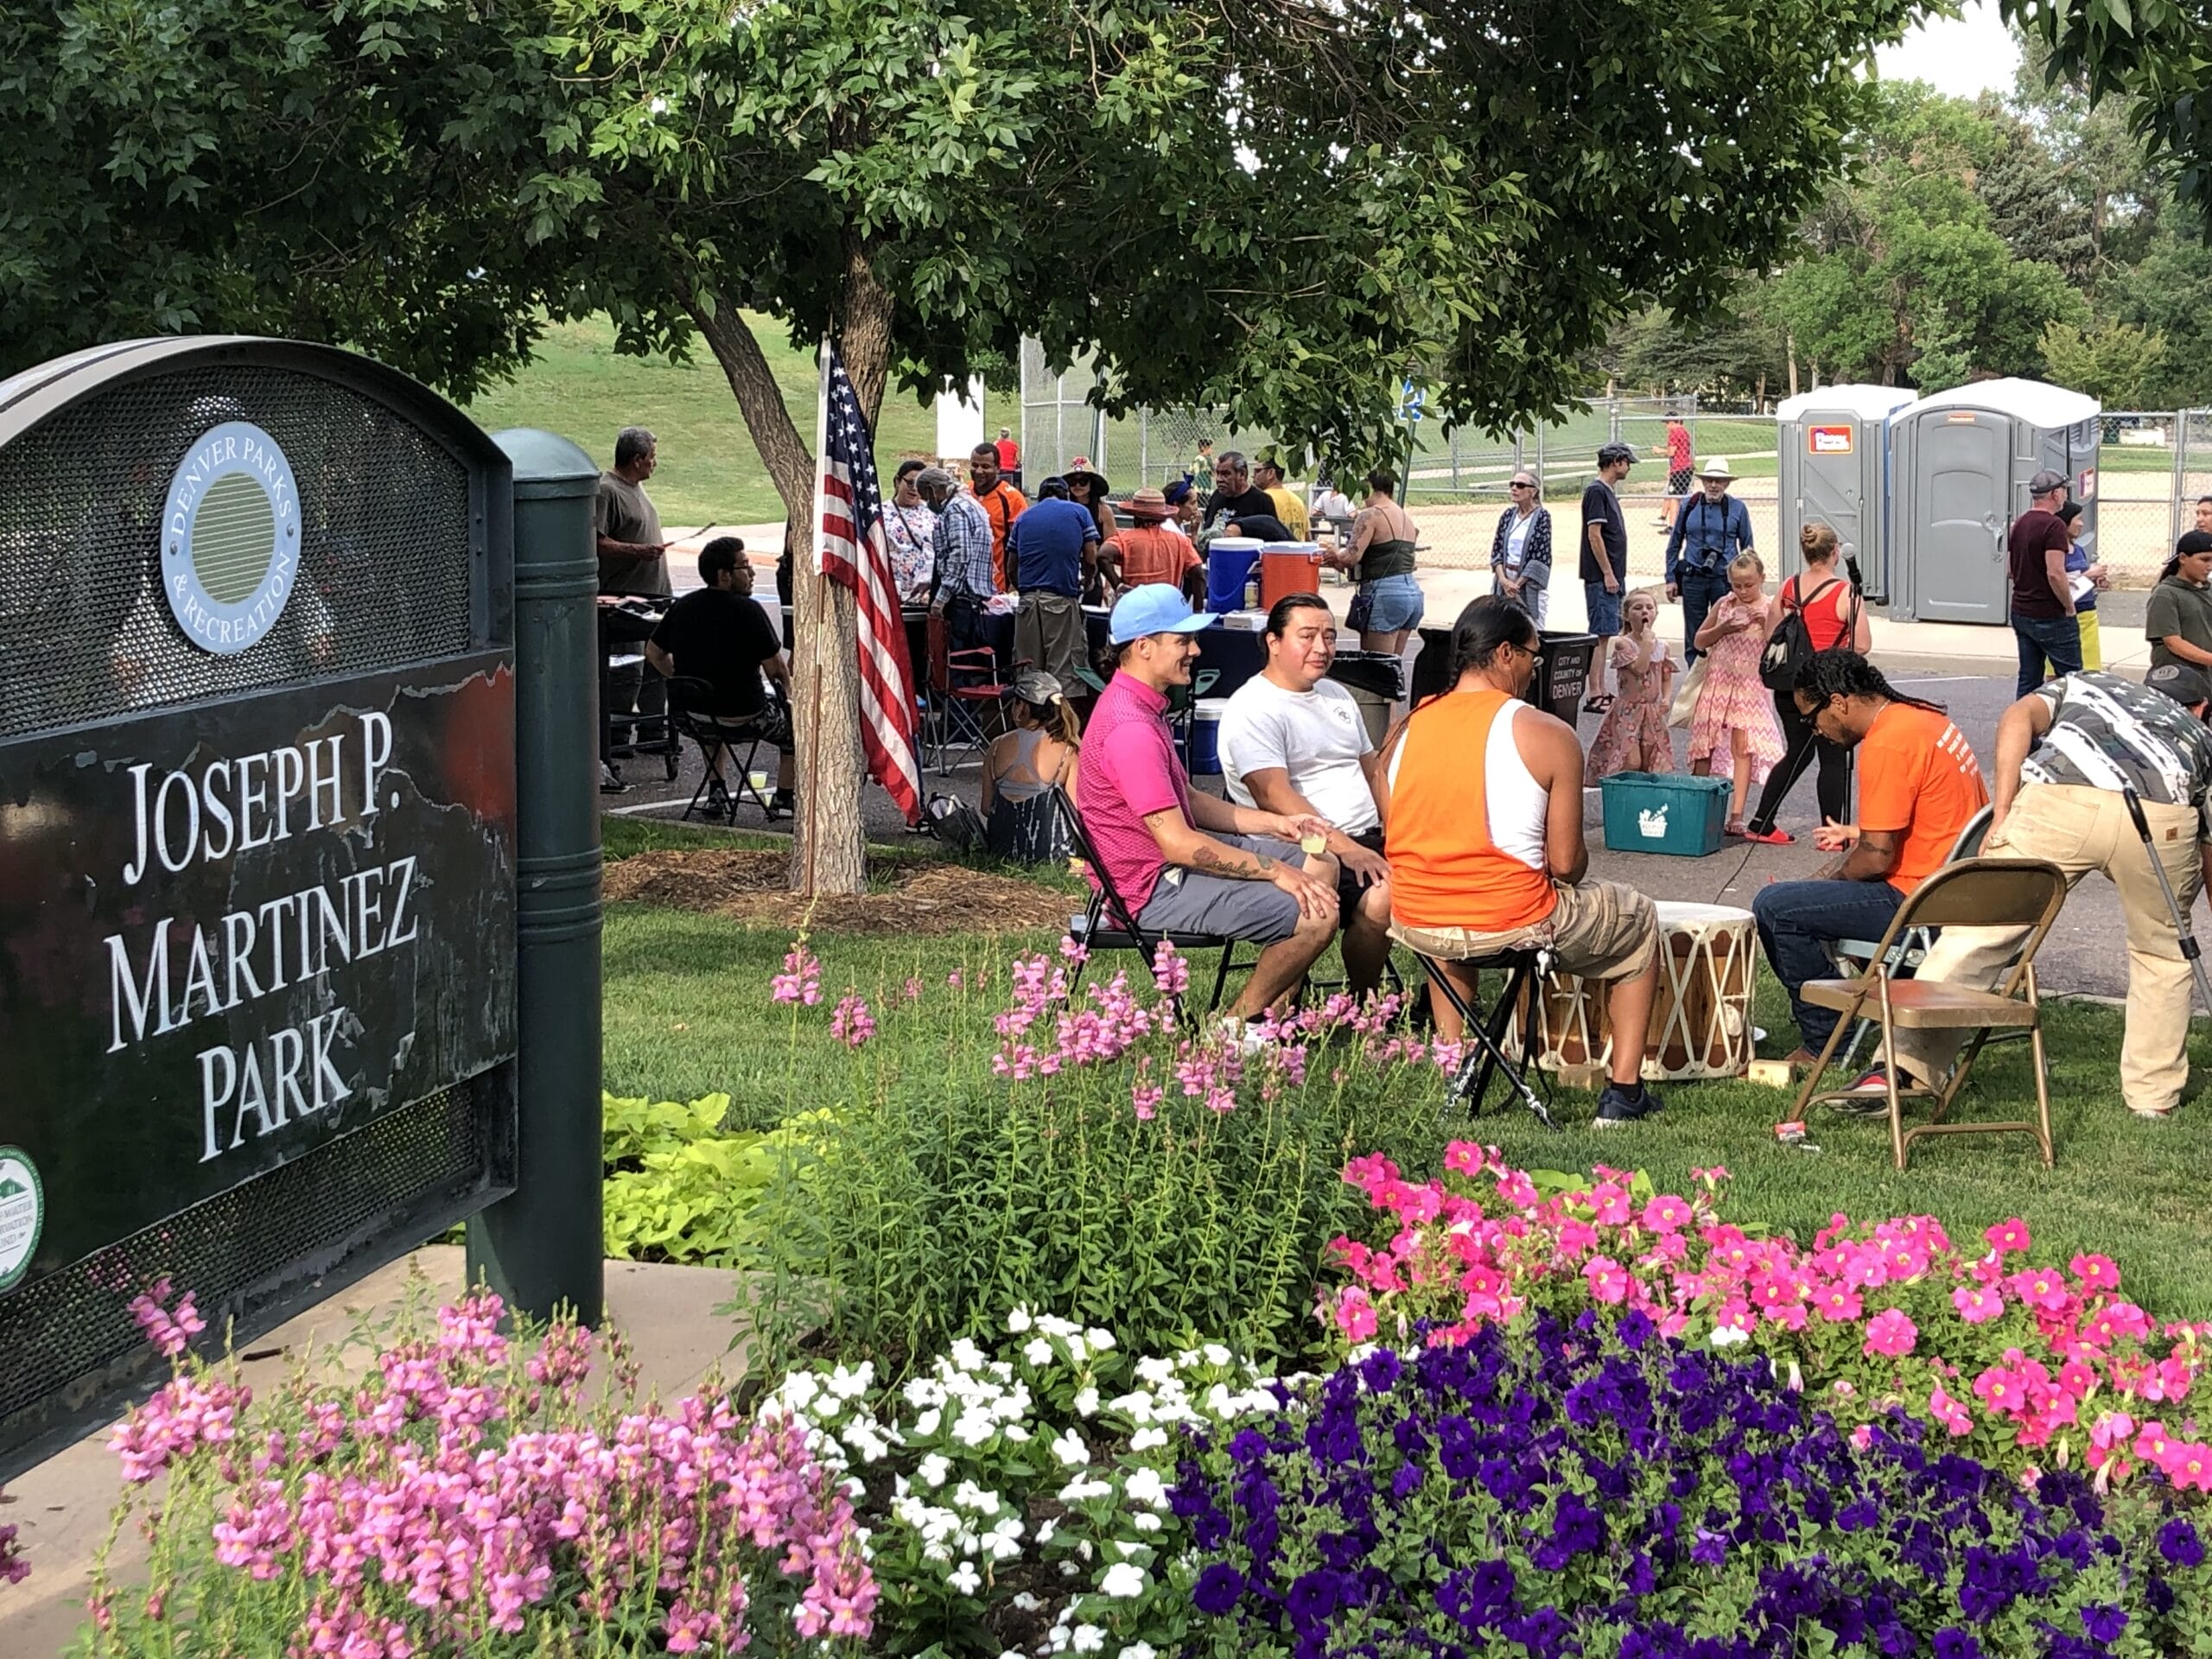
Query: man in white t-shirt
x=1291 y=733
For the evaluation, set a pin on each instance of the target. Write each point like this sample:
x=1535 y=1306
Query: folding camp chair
x=1485 y=1052
x=688 y=700
x=955 y=703
x=1851 y=956
x=1109 y=925
x=2007 y=892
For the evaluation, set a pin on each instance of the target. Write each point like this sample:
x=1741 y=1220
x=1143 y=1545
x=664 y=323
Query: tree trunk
x=1789 y=351
x=829 y=840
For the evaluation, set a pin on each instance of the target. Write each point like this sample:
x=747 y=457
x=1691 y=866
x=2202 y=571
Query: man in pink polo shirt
x=1186 y=862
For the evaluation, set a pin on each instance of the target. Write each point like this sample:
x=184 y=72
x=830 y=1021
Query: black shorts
x=1678 y=483
x=1348 y=886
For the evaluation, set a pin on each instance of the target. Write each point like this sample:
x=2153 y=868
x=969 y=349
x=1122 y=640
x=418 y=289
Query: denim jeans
x=1700 y=589
x=1796 y=918
x=2056 y=638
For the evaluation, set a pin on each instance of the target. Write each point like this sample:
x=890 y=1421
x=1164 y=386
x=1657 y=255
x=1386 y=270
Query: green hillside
x=710 y=471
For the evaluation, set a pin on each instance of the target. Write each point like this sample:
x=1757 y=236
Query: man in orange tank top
x=1919 y=784
x=1483 y=811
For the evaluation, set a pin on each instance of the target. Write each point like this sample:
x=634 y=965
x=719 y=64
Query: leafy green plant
x=1084 y=1154
x=679 y=1188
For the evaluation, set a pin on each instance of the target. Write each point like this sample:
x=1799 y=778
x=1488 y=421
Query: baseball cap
x=1156 y=607
x=1034 y=685
x=2180 y=682
x=2045 y=481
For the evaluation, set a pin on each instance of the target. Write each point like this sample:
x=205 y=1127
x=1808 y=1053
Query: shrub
x=1094 y=1157
x=1016 y=1496
x=2016 y=1363
x=463 y=1496
x=1601 y=1489
x=681 y=1186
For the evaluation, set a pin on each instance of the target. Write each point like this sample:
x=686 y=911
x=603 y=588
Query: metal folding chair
x=2005 y=892
x=1851 y=956
x=1485 y=1054
x=1108 y=924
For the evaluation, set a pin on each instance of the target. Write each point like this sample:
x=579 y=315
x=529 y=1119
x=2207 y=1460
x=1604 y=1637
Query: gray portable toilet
x=1959 y=463
x=1833 y=465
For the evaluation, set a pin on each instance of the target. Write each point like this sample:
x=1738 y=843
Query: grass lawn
x=688 y=1014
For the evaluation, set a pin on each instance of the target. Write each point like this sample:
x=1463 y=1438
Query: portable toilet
x=1959 y=463
x=1833 y=461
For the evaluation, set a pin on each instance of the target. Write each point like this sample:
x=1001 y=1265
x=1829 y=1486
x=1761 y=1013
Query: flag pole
x=820 y=589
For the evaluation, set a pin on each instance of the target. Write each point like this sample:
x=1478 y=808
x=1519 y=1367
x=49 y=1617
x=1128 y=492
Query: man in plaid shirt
x=963 y=556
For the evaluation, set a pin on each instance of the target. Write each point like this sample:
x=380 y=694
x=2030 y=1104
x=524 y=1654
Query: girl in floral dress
x=1733 y=724
x=1634 y=737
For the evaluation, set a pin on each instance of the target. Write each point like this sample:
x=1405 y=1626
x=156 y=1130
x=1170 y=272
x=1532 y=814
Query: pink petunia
x=1667 y=1214
x=1354 y=1314
x=2096 y=1272
x=1948 y=1412
x=2008 y=1237
x=1889 y=1333
x=1607 y=1280
x=1978 y=1307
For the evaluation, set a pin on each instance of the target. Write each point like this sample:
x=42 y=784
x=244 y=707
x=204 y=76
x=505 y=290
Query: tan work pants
x=2082 y=829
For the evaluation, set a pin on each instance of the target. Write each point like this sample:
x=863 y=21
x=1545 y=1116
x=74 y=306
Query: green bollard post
x=542 y=1248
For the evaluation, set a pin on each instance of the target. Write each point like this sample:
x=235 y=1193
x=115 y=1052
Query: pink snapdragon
x=801 y=980
x=852 y=1024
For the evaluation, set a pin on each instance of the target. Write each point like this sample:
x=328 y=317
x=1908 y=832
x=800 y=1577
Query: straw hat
x=1717 y=467
x=1148 y=504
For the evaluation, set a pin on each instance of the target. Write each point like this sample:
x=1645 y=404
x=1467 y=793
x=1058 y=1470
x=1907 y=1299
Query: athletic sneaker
x=1869 y=1096
x=1616 y=1106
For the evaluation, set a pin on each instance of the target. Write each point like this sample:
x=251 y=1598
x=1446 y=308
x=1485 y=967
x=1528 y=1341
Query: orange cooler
x=1287 y=567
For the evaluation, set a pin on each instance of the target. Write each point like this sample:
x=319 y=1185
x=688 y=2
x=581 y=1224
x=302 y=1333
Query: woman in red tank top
x=1835 y=619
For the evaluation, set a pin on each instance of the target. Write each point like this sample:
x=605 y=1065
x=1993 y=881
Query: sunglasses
x=1521 y=484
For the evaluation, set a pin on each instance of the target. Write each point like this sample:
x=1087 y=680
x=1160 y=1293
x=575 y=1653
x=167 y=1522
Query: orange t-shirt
x=1002 y=504
x=1917 y=773
x=1151 y=554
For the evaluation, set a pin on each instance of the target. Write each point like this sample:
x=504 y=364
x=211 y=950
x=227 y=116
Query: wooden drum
x=1700 y=1017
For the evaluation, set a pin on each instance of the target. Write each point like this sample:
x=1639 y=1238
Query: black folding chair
x=1108 y=924
x=688 y=700
x=1485 y=1053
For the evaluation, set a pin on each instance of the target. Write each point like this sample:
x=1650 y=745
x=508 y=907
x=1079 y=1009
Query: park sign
x=258 y=843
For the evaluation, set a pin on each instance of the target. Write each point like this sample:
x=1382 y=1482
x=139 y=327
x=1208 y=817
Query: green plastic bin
x=1669 y=812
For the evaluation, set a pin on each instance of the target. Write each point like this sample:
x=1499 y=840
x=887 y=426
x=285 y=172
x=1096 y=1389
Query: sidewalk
x=62 y=1506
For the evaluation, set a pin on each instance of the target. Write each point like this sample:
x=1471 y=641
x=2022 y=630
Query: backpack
x=1792 y=647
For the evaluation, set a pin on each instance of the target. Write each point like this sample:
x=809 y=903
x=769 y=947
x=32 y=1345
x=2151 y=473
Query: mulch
x=923 y=897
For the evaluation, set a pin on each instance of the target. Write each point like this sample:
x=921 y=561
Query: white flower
x=1017 y=1321
x=965 y=1579
x=968 y=1496
x=933 y=1470
x=1146 y=1487
x=1089 y=1638
x=1146 y=1439
x=863 y=1438
x=927 y=1423
x=1036 y=1351
x=1139 y=1650
x=1144 y=1521
x=1086 y=1403
x=965 y=1355
x=851 y=1384
x=1157 y=1372
x=1071 y=1450
x=1052 y=1325
x=1080 y=1490
x=1728 y=1335
x=1016 y=1433
x=799 y=1389
x=1069 y=1569
x=1123 y=1580
x=936 y=1552
x=1101 y=1341
x=922 y=1391
x=972 y=1429
x=1216 y=1354
x=1027 y=1602
x=1078 y=1349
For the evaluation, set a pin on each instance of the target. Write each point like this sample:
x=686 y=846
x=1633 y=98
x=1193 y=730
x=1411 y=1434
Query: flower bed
x=1602 y=1489
x=465 y=1497
x=2028 y=1365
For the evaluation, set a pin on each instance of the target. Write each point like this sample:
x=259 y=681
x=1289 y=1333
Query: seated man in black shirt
x=1236 y=508
x=719 y=635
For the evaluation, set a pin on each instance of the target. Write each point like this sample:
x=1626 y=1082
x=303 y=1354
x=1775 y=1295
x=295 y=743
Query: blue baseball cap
x=1156 y=607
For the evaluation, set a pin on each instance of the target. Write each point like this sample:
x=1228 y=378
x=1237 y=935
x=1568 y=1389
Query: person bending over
x=1186 y=862
x=1484 y=810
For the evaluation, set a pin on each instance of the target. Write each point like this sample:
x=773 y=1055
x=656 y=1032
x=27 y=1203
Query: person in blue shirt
x=2085 y=605
x=1052 y=550
x=1709 y=532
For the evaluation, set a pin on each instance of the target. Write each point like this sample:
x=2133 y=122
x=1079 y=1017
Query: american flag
x=850 y=550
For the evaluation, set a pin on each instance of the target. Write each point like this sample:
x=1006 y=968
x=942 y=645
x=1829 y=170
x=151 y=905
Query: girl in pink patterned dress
x=1734 y=722
x=1634 y=737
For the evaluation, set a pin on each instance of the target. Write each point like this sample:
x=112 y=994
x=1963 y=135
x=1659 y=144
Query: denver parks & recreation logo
x=22 y=1214
x=230 y=537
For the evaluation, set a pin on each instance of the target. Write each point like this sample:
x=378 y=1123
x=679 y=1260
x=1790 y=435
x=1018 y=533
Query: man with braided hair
x=1919 y=784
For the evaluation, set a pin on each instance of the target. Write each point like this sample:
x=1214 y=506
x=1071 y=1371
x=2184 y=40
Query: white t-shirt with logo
x=1317 y=736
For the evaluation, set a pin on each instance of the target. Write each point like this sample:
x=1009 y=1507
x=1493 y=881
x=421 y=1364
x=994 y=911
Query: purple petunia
x=2179 y=1544
x=1218 y=1589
